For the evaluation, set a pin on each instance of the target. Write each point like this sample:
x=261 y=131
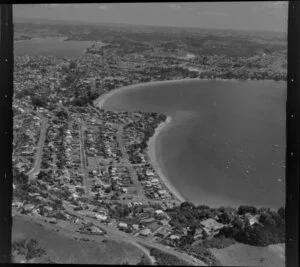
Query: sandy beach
x=99 y=102
x=151 y=150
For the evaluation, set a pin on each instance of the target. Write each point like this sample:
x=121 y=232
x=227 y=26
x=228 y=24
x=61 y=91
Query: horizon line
x=57 y=21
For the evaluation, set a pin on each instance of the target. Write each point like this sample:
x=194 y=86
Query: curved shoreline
x=151 y=151
x=151 y=147
x=151 y=144
x=99 y=102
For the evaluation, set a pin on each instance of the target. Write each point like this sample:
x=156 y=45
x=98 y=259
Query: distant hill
x=19 y=20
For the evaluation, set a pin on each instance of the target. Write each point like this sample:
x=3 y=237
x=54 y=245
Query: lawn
x=61 y=247
x=246 y=255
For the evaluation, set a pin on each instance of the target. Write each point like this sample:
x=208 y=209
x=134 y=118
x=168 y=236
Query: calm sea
x=226 y=143
x=50 y=47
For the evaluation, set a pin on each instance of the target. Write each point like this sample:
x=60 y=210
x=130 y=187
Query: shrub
x=205 y=255
x=163 y=258
x=247 y=209
x=38 y=101
x=30 y=248
x=144 y=261
x=218 y=242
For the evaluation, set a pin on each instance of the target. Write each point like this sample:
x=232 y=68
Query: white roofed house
x=149 y=173
x=174 y=239
x=253 y=219
x=159 y=212
x=211 y=227
x=145 y=232
x=28 y=207
x=122 y=225
x=101 y=217
x=198 y=233
x=135 y=227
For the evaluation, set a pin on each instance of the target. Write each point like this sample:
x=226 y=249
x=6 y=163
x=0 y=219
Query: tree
x=186 y=241
x=38 y=102
x=73 y=65
x=237 y=222
x=144 y=261
x=62 y=114
x=108 y=190
x=247 y=209
x=20 y=177
x=187 y=205
x=203 y=207
x=225 y=217
x=281 y=212
x=267 y=220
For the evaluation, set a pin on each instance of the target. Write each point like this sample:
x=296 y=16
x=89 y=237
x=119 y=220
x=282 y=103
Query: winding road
x=115 y=233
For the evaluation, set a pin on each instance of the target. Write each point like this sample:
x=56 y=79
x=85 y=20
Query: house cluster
x=171 y=236
x=40 y=202
x=147 y=221
x=153 y=223
x=152 y=185
x=61 y=157
x=101 y=142
x=118 y=117
x=91 y=229
x=110 y=181
x=26 y=131
x=132 y=137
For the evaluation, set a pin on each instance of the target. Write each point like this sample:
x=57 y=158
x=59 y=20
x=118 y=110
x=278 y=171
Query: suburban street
x=115 y=233
x=83 y=160
x=38 y=156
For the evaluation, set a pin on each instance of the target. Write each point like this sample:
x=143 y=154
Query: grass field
x=245 y=255
x=63 y=248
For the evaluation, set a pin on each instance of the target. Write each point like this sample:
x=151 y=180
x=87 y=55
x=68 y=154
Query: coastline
x=151 y=147
x=99 y=102
x=151 y=151
x=151 y=144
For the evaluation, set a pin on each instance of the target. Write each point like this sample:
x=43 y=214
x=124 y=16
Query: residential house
x=211 y=227
x=101 y=217
x=253 y=219
x=198 y=233
x=148 y=210
x=145 y=232
x=163 y=232
x=159 y=212
x=153 y=226
x=28 y=207
x=135 y=227
x=173 y=240
x=122 y=225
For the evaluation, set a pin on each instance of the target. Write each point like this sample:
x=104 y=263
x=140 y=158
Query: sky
x=265 y=16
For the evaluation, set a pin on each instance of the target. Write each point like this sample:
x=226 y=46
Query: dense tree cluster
x=163 y=258
x=30 y=248
x=38 y=102
x=270 y=228
x=153 y=120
